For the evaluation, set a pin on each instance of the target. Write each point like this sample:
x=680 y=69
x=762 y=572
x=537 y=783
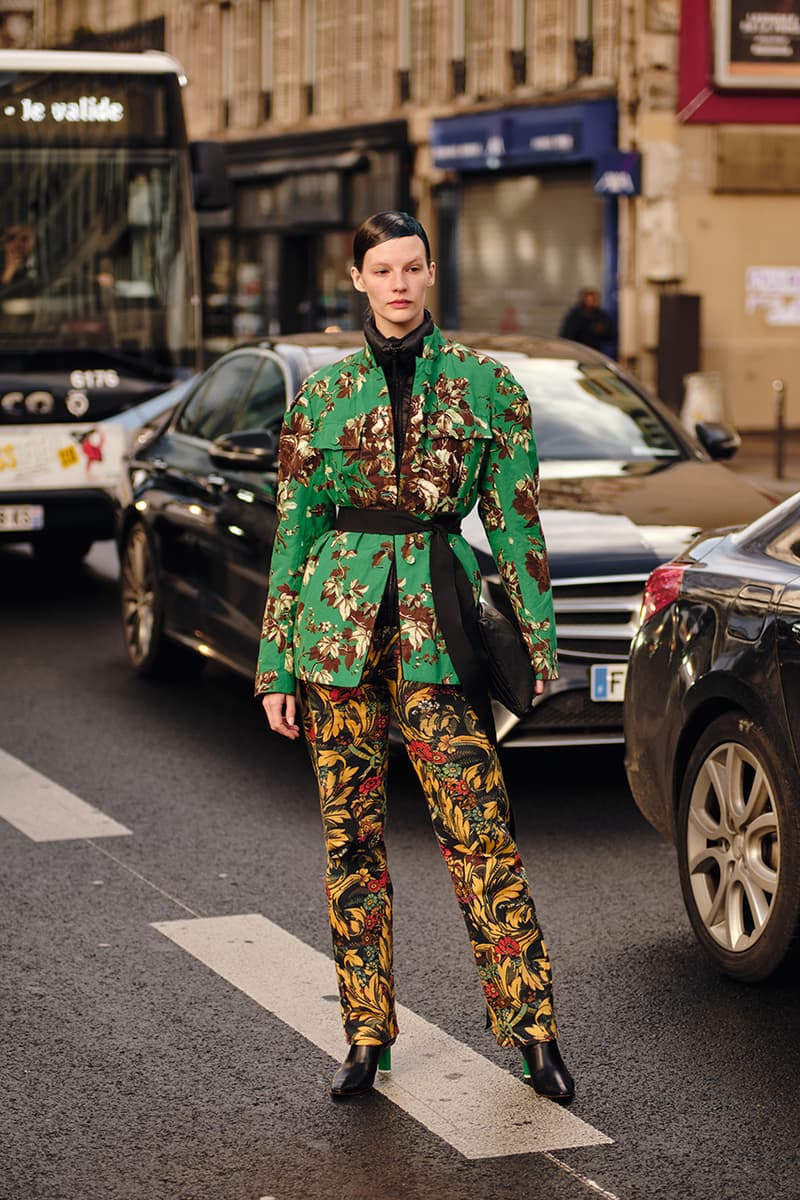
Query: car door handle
x=796 y=630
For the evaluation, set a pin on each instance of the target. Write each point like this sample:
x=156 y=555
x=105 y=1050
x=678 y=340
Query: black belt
x=453 y=598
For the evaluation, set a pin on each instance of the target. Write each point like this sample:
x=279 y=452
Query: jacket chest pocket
x=357 y=454
x=337 y=438
x=453 y=453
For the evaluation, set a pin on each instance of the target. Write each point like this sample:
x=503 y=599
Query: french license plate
x=607 y=681
x=19 y=518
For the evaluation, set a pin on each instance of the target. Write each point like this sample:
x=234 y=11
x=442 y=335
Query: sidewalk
x=756 y=459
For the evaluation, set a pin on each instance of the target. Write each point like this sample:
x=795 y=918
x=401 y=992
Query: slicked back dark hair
x=382 y=227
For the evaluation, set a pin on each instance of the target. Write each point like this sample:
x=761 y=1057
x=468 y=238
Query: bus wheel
x=150 y=651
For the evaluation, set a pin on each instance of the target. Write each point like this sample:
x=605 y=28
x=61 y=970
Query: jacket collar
x=410 y=346
x=431 y=341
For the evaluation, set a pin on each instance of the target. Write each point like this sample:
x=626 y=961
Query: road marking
x=46 y=812
x=584 y=1179
x=480 y=1109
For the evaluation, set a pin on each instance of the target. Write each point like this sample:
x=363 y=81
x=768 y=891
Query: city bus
x=99 y=280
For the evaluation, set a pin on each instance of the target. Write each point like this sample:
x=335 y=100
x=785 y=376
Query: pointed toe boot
x=356 y=1075
x=546 y=1072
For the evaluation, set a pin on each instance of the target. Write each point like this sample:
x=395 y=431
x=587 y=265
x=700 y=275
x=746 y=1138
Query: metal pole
x=779 y=388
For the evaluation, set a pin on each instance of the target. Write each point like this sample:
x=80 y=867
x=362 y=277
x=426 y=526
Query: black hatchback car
x=712 y=724
x=624 y=488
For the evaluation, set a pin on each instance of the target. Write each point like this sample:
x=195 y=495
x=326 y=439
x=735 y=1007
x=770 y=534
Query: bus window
x=99 y=294
x=94 y=188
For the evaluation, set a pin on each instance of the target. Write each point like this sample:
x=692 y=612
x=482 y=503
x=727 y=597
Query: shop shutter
x=525 y=246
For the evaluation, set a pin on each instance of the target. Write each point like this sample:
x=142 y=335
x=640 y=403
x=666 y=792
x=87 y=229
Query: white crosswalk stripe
x=46 y=812
x=480 y=1109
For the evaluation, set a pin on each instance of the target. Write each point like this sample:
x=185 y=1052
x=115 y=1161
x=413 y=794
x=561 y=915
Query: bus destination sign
x=84 y=109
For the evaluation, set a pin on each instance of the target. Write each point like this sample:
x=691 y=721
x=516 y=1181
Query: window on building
x=309 y=53
x=403 y=51
x=584 y=37
x=226 y=15
x=287 y=49
x=486 y=50
x=605 y=38
x=266 y=73
x=458 y=53
x=431 y=45
x=553 y=56
x=518 y=57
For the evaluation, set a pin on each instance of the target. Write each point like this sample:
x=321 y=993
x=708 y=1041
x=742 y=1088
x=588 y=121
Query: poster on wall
x=775 y=292
x=757 y=43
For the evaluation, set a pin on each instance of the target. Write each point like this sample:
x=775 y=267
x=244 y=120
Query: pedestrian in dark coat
x=588 y=323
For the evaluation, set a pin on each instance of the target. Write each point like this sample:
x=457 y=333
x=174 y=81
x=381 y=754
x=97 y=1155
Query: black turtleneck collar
x=386 y=348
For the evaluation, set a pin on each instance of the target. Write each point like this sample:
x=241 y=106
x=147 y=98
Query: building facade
x=547 y=145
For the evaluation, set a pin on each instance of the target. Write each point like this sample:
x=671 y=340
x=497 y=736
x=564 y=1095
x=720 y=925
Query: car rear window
x=586 y=412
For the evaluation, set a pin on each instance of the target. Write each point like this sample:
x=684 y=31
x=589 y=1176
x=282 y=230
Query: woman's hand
x=538 y=688
x=280 y=708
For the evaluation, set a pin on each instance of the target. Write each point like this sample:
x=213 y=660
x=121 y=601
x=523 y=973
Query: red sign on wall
x=706 y=87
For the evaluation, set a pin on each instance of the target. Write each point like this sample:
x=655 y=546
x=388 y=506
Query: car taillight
x=662 y=587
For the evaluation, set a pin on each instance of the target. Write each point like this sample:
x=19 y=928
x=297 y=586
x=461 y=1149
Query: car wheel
x=739 y=849
x=149 y=650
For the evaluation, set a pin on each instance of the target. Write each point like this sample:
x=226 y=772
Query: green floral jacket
x=468 y=438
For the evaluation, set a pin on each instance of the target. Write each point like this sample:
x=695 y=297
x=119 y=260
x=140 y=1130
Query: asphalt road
x=131 y=1070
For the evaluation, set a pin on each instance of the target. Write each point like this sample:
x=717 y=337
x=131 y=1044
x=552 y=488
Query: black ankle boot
x=356 y=1075
x=548 y=1075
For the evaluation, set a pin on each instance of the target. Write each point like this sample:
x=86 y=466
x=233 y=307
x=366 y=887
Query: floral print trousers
x=458 y=767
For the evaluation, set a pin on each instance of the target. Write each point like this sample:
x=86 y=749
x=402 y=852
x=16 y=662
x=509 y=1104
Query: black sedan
x=712 y=724
x=623 y=489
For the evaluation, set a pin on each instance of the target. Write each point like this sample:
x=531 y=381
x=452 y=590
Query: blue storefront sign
x=519 y=137
x=618 y=173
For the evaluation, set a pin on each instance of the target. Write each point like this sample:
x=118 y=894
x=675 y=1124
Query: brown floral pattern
x=468 y=440
x=347 y=735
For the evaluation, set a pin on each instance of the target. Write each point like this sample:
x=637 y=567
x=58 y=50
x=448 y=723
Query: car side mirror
x=717 y=438
x=249 y=450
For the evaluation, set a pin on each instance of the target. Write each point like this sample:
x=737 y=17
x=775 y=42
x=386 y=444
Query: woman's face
x=395 y=276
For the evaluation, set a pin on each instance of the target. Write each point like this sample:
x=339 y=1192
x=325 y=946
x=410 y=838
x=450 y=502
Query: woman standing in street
x=380 y=457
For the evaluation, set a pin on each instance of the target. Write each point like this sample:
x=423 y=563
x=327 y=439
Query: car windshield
x=586 y=411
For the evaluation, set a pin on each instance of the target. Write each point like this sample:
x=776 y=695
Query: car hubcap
x=733 y=847
x=138 y=596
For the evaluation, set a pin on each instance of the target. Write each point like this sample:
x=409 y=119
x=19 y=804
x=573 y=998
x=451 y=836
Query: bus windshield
x=95 y=249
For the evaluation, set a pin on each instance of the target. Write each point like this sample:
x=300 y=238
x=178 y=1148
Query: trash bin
x=703 y=399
